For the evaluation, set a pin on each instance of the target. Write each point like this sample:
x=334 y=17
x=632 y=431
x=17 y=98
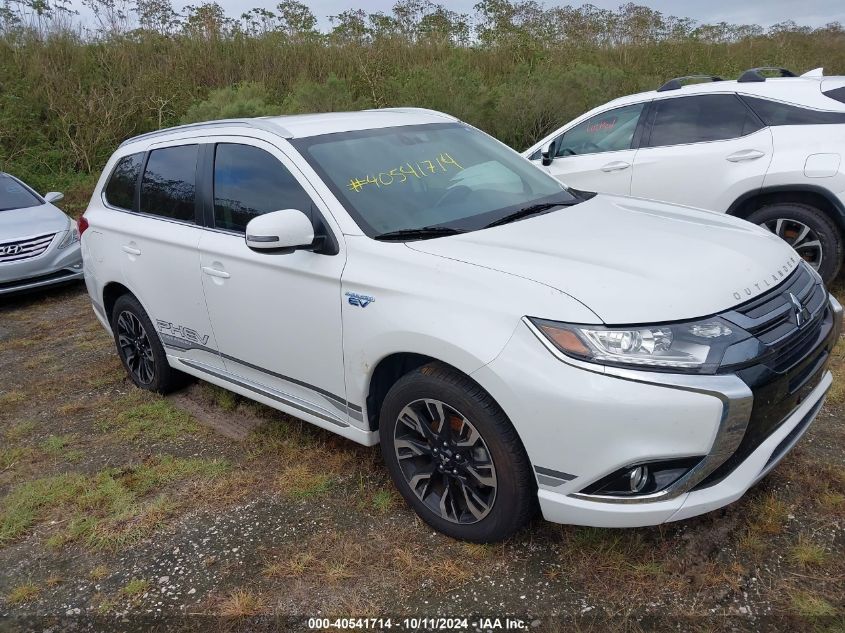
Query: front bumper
x=54 y=266
x=581 y=422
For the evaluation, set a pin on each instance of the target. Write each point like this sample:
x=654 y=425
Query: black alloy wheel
x=445 y=461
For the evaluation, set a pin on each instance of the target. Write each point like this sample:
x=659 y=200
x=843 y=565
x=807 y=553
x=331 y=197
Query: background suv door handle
x=617 y=165
x=745 y=154
x=131 y=250
x=213 y=272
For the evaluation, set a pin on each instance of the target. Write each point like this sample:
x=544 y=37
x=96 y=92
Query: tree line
x=71 y=89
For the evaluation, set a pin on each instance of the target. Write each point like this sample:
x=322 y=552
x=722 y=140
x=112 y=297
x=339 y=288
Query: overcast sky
x=765 y=13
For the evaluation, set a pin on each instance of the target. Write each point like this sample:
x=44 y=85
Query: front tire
x=455 y=457
x=140 y=349
x=813 y=235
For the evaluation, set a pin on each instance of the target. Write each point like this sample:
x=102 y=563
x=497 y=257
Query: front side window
x=120 y=189
x=249 y=182
x=609 y=131
x=168 y=188
x=701 y=118
x=14 y=195
x=445 y=175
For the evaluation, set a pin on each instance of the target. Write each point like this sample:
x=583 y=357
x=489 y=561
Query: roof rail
x=753 y=74
x=675 y=84
x=258 y=123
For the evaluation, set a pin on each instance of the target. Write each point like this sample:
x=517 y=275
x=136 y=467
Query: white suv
x=401 y=278
x=769 y=150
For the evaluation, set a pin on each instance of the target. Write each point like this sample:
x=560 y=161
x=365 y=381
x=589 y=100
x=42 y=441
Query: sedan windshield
x=14 y=195
x=429 y=180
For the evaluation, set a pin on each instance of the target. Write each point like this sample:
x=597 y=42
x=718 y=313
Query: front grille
x=796 y=351
x=19 y=250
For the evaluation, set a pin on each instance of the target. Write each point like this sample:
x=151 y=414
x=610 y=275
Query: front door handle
x=214 y=272
x=745 y=154
x=617 y=165
x=131 y=250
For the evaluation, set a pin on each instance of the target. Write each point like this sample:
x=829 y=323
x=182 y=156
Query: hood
x=630 y=260
x=18 y=223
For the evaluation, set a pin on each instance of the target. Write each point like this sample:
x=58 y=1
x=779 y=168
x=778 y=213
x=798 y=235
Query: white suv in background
x=401 y=278
x=769 y=150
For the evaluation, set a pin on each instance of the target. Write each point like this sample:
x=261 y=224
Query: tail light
x=81 y=225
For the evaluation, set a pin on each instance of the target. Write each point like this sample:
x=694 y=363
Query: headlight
x=694 y=347
x=71 y=237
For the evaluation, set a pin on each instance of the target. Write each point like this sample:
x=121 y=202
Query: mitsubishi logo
x=802 y=314
x=11 y=249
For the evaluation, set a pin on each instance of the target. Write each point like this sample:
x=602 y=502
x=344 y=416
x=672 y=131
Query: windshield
x=14 y=195
x=439 y=175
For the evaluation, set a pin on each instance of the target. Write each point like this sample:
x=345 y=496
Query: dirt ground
x=203 y=511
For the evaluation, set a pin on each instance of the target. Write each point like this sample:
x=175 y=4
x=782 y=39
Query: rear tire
x=140 y=349
x=463 y=468
x=809 y=230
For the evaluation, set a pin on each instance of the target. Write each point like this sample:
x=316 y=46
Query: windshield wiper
x=531 y=209
x=417 y=234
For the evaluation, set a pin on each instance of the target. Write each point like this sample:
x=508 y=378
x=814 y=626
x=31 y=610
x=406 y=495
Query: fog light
x=641 y=479
x=638 y=478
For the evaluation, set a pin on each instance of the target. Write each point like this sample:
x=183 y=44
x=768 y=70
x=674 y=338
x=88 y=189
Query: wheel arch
x=394 y=366
x=112 y=291
x=813 y=195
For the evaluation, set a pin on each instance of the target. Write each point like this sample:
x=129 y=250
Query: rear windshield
x=445 y=175
x=14 y=195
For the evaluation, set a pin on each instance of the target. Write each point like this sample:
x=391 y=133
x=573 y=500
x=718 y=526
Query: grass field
x=115 y=503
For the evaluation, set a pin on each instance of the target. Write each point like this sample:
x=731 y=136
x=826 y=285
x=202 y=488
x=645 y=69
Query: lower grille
x=56 y=276
x=19 y=250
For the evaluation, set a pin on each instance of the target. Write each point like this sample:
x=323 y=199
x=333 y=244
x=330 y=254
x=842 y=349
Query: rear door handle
x=214 y=272
x=617 y=165
x=745 y=154
x=131 y=250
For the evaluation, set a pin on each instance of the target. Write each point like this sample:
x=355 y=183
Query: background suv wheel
x=455 y=456
x=814 y=236
x=140 y=349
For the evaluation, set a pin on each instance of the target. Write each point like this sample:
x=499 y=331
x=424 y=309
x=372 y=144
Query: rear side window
x=249 y=182
x=701 y=118
x=120 y=189
x=168 y=188
x=774 y=113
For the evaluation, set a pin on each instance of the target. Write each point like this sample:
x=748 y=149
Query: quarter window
x=702 y=118
x=609 y=131
x=120 y=190
x=249 y=182
x=774 y=113
x=168 y=188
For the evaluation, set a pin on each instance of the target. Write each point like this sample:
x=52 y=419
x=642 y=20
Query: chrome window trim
x=736 y=398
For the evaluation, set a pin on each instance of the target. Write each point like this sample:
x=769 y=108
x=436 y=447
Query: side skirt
x=273 y=398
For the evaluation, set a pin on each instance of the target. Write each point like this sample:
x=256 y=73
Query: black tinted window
x=606 y=132
x=774 y=113
x=168 y=188
x=13 y=195
x=837 y=94
x=120 y=190
x=249 y=182
x=700 y=118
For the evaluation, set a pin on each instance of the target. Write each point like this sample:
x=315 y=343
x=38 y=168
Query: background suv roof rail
x=753 y=74
x=677 y=82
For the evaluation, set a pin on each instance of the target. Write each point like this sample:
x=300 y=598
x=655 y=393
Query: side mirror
x=53 y=196
x=287 y=229
x=547 y=153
